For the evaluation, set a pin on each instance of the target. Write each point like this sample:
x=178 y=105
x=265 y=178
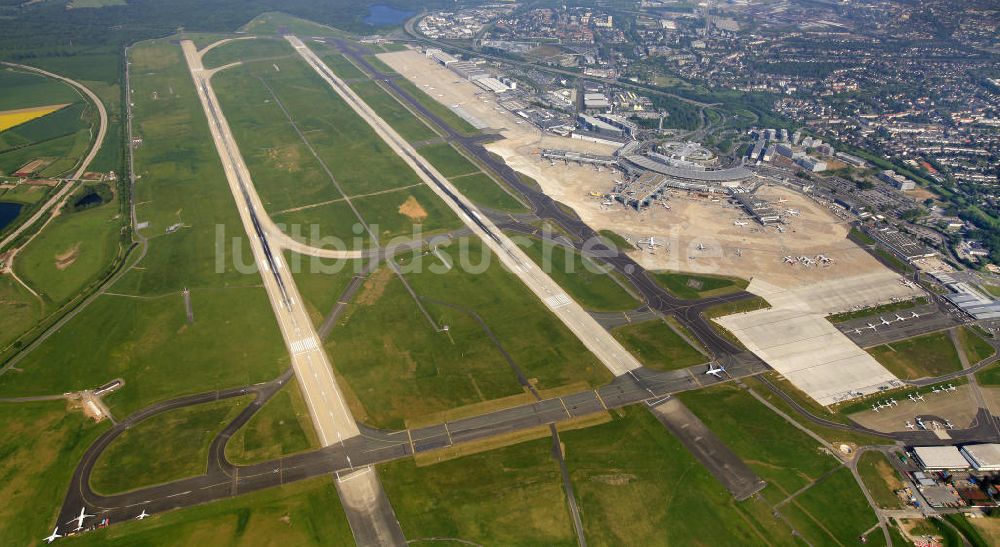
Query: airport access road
x=331 y=418
x=688 y=312
x=102 y=130
x=594 y=337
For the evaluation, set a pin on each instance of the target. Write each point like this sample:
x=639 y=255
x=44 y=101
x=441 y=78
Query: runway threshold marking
x=600 y=400
x=563 y=403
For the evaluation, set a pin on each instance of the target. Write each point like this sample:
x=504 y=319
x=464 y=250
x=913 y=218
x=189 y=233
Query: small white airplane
x=79 y=520
x=884 y=322
x=900 y=318
x=948 y=424
x=875 y=407
x=872 y=326
x=951 y=388
x=142 y=515
x=789 y=260
x=55 y=535
x=715 y=370
x=740 y=223
x=650 y=242
x=893 y=402
x=935 y=389
x=824 y=259
x=914 y=315
x=793 y=212
x=857 y=331
x=920 y=424
x=782 y=200
x=909 y=425
x=702 y=247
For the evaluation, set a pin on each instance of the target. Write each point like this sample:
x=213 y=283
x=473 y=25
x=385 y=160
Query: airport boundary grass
x=880 y=478
x=923 y=356
x=281 y=427
x=613 y=239
x=975 y=348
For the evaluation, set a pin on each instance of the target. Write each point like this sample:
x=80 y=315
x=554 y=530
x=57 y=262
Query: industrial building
x=595 y=125
x=896 y=180
x=964 y=297
x=983 y=457
x=811 y=164
x=940 y=458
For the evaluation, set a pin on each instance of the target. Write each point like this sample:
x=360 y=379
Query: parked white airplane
x=789 y=260
x=55 y=535
x=900 y=318
x=914 y=315
x=948 y=424
x=79 y=520
x=857 y=331
x=920 y=423
x=142 y=515
x=951 y=388
x=935 y=389
x=715 y=370
x=702 y=247
x=793 y=212
x=876 y=408
x=651 y=242
x=824 y=259
x=740 y=223
x=884 y=322
x=909 y=425
x=871 y=326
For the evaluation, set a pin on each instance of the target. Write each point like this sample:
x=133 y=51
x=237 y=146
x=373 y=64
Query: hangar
x=983 y=457
x=940 y=458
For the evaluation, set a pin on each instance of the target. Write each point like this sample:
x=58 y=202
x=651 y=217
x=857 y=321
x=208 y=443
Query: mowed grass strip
x=282 y=426
x=976 y=349
x=638 y=485
x=590 y=284
x=657 y=346
x=408 y=126
x=41 y=443
x=692 y=286
x=448 y=161
x=881 y=479
x=137 y=458
x=303 y=513
x=785 y=457
x=843 y=521
x=509 y=496
x=486 y=192
x=928 y=355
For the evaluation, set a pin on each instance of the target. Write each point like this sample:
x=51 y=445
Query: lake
x=382 y=15
x=8 y=212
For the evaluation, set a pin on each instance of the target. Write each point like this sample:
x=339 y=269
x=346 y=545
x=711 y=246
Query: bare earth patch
x=68 y=257
x=412 y=210
x=374 y=287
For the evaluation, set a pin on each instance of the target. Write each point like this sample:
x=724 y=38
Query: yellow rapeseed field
x=10 y=118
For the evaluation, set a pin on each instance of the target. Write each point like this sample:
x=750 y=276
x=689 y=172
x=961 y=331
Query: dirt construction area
x=710 y=235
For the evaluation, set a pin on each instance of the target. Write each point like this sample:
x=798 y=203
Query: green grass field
x=927 y=355
x=396 y=368
x=407 y=213
x=447 y=160
x=19 y=309
x=782 y=455
x=690 y=286
x=589 y=284
x=247 y=50
x=616 y=240
x=137 y=457
x=638 y=485
x=23 y=89
x=321 y=281
x=507 y=496
x=976 y=349
x=281 y=427
x=41 y=444
x=486 y=192
x=657 y=346
x=302 y=513
x=339 y=64
x=408 y=126
x=70 y=252
x=824 y=522
x=880 y=478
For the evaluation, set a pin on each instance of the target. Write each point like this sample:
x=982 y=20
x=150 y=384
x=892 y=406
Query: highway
x=102 y=130
x=598 y=340
x=330 y=415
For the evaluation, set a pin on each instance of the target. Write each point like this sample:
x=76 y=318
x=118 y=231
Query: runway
x=329 y=412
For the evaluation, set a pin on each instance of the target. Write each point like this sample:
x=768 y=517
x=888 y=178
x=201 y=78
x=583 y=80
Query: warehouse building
x=940 y=458
x=983 y=457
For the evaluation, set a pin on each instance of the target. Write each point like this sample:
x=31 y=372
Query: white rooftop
x=984 y=457
x=941 y=457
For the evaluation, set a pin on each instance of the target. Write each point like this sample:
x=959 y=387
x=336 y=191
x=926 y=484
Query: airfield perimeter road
x=596 y=339
x=331 y=418
x=688 y=312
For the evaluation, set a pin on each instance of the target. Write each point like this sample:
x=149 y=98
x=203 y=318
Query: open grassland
x=398 y=368
x=60 y=123
x=275 y=22
x=690 y=286
x=976 y=349
x=407 y=213
x=657 y=346
x=23 y=89
x=243 y=50
x=509 y=496
x=923 y=356
x=482 y=190
x=342 y=67
x=13 y=118
x=447 y=160
x=70 y=252
x=19 y=309
x=137 y=458
x=834 y=511
x=785 y=457
x=395 y=114
x=302 y=513
x=637 y=485
x=41 y=444
x=140 y=331
x=880 y=478
x=281 y=427
x=590 y=284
